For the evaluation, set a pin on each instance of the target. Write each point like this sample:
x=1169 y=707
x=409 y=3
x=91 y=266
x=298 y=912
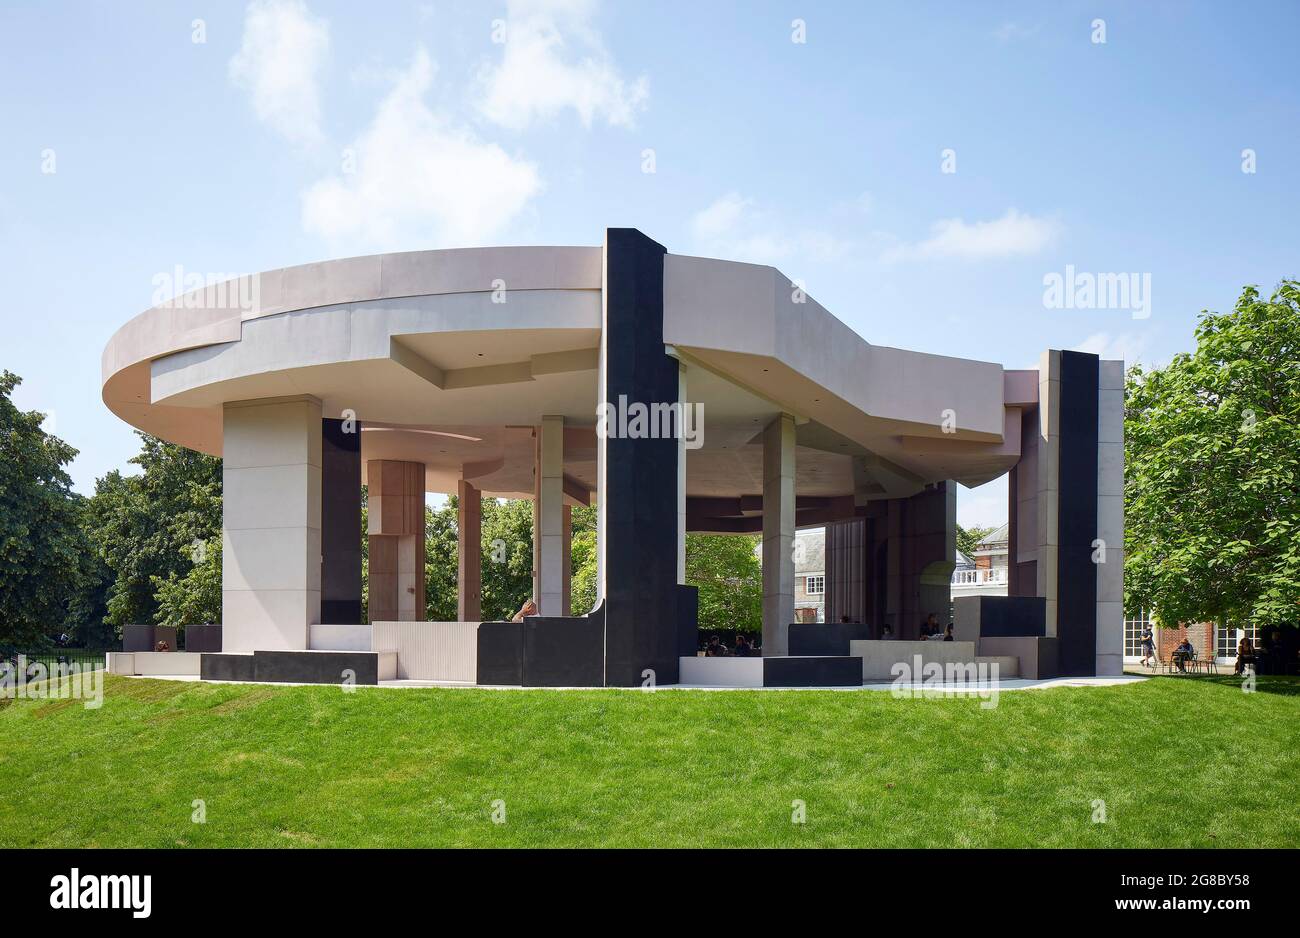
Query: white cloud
x=279 y=62
x=1123 y=345
x=1015 y=233
x=734 y=228
x=553 y=59
x=420 y=180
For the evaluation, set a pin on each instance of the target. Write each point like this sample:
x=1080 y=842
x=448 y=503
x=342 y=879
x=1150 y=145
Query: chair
x=1211 y=664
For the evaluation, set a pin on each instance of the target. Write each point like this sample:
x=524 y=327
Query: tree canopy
x=41 y=542
x=1212 y=474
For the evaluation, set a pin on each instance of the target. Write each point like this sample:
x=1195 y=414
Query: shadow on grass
x=1287 y=685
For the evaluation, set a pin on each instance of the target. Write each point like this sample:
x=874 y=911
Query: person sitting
x=1245 y=655
x=947 y=634
x=886 y=633
x=1183 y=654
x=930 y=626
x=529 y=608
x=714 y=648
x=743 y=648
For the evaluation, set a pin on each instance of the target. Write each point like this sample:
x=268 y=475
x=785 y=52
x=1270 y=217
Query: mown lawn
x=1179 y=762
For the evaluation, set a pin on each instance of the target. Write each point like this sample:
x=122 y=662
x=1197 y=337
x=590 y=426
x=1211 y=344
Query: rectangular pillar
x=340 y=519
x=778 y=533
x=548 y=504
x=1070 y=507
x=396 y=531
x=469 y=553
x=271 y=523
x=1110 y=518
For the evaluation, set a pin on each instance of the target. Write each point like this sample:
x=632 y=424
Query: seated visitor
x=743 y=648
x=529 y=608
x=1183 y=653
x=886 y=633
x=714 y=648
x=947 y=634
x=1245 y=655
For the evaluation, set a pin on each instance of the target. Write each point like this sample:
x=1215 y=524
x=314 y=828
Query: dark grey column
x=340 y=522
x=638 y=498
x=1076 y=574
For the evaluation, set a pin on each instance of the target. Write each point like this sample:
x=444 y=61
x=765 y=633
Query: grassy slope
x=1178 y=761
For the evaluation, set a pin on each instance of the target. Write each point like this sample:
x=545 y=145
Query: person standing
x=1148 y=648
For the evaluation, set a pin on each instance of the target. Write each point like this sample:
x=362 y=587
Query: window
x=1227 y=637
x=1133 y=628
x=815 y=585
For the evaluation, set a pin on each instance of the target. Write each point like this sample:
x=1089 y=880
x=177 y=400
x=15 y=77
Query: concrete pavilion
x=483 y=372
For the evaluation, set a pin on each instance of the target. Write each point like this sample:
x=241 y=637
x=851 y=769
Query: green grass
x=1179 y=762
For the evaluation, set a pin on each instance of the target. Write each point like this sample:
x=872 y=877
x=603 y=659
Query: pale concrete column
x=566 y=560
x=395 y=524
x=469 y=553
x=270 y=523
x=681 y=472
x=1110 y=518
x=548 y=523
x=778 y=533
x=1049 y=480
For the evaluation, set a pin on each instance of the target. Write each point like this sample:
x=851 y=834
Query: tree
x=150 y=529
x=969 y=538
x=729 y=576
x=441 y=590
x=1212 y=481
x=40 y=536
x=507 y=556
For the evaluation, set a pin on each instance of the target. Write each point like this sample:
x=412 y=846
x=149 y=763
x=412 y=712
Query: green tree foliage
x=582 y=584
x=729 y=575
x=507 y=556
x=150 y=528
x=1212 y=481
x=969 y=538
x=41 y=542
x=441 y=562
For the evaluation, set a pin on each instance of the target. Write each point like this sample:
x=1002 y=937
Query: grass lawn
x=1178 y=761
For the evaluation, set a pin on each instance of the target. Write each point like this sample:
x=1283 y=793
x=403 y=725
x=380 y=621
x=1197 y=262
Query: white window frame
x=821 y=584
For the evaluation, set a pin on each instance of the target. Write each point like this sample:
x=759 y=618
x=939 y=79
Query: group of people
x=743 y=648
x=930 y=631
x=1185 y=652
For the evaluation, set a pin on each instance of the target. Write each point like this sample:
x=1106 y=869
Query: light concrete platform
x=1006 y=685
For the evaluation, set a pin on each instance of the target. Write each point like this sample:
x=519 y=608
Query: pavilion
x=674 y=393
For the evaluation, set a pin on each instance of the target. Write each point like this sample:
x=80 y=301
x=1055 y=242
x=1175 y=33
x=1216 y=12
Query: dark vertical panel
x=1076 y=575
x=640 y=498
x=846 y=570
x=340 y=523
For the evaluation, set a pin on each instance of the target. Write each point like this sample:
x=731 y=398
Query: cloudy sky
x=924 y=168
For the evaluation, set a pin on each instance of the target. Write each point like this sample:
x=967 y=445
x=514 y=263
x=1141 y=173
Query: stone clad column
x=1110 y=518
x=778 y=533
x=271 y=523
x=566 y=561
x=396 y=530
x=469 y=553
x=548 y=518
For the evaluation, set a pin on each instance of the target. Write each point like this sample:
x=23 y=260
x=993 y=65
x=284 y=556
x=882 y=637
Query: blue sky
x=301 y=129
